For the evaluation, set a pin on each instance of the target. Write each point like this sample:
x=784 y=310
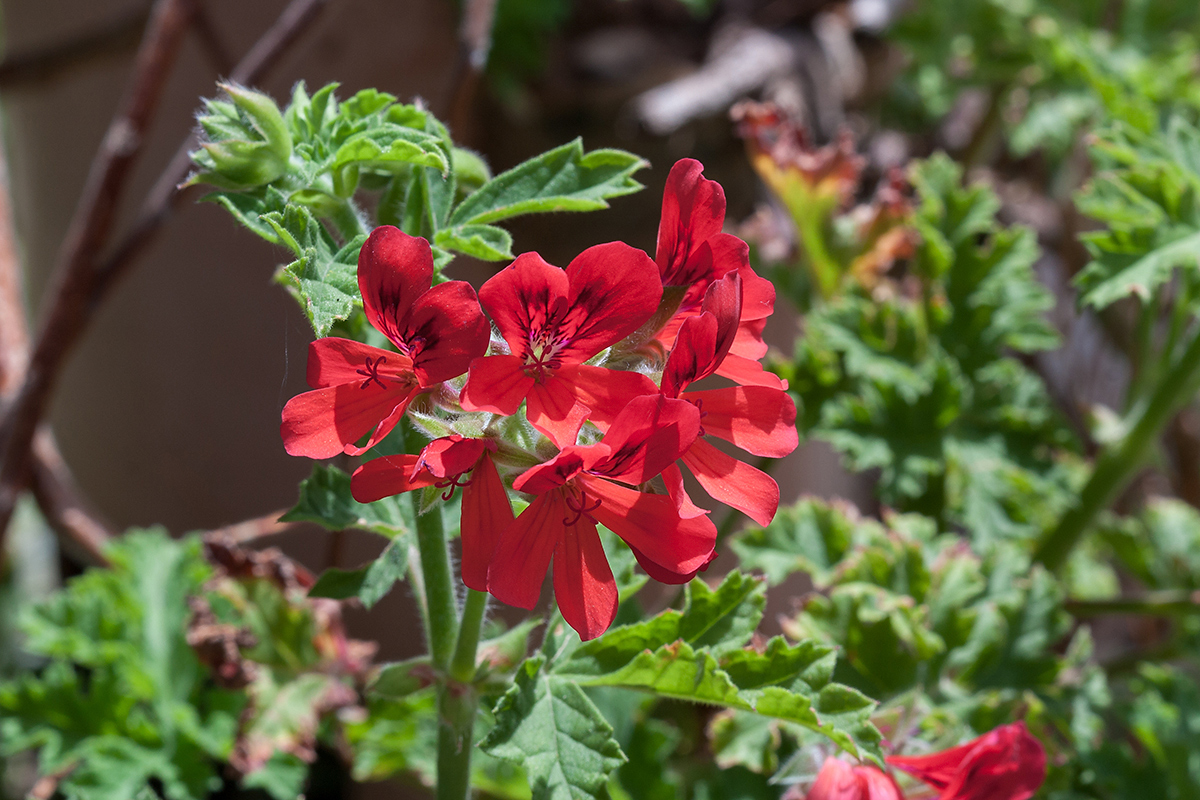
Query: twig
x=257 y=528
x=80 y=527
x=53 y=486
x=116 y=36
x=83 y=277
x=474 y=41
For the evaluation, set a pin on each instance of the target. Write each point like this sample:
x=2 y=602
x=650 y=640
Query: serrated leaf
x=811 y=536
x=248 y=208
x=370 y=583
x=326 y=500
x=486 y=242
x=723 y=619
x=562 y=179
x=324 y=278
x=552 y=728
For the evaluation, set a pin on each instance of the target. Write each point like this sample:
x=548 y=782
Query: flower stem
x=1167 y=603
x=439 y=585
x=458 y=705
x=1121 y=460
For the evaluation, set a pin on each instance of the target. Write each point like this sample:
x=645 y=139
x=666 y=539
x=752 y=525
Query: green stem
x=439 y=584
x=348 y=220
x=1118 y=463
x=462 y=665
x=824 y=267
x=458 y=705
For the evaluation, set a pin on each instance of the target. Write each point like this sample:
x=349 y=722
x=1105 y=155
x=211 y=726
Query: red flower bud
x=1007 y=763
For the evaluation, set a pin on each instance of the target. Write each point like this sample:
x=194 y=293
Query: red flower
x=1007 y=763
x=553 y=321
x=759 y=419
x=358 y=387
x=838 y=780
x=443 y=463
x=693 y=252
x=582 y=486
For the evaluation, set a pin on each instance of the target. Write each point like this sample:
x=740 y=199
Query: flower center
x=453 y=483
x=542 y=354
x=580 y=507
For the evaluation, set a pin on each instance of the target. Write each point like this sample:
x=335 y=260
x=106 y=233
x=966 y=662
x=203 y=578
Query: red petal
x=554 y=410
x=606 y=392
x=748 y=373
x=878 y=785
x=451 y=455
x=386 y=476
x=837 y=780
x=486 y=516
x=749 y=490
x=758 y=295
x=522 y=297
x=673 y=478
x=583 y=582
x=333 y=361
x=445 y=332
x=757 y=419
x=729 y=254
x=693 y=209
x=327 y=422
x=647 y=437
x=748 y=341
x=522 y=555
x=1004 y=764
x=663 y=575
x=394 y=269
x=693 y=356
x=614 y=289
x=651 y=524
x=496 y=384
x=558 y=470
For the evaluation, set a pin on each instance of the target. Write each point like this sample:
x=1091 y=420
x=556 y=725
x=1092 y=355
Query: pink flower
x=359 y=388
x=1007 y=763
x=838 y=780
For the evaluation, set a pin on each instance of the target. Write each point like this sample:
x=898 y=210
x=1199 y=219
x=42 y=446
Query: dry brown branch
x=74 y=275
x=82 y=278
x=252 y=529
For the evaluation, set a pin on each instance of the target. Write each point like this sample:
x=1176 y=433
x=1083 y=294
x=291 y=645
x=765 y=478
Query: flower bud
x=265 y=117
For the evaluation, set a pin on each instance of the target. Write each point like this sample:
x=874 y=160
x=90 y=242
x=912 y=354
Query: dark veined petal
x=693 y=209
x=326 y=422
x=647 y=437
x=757 y=419
x=496 y=384
x=557 y=471
x=749 y=490
x=522 y=556
x=445 y=331
x=527 y=297
x=394 y=269
x=615 y=288
x=583 y=582
x=333 y=361
x=486 y=517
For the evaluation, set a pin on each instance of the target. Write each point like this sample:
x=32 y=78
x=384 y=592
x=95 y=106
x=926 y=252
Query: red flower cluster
x=580 y=350
x=1007 y=763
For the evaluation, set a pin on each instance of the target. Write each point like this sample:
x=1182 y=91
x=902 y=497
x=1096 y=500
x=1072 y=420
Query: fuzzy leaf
x=326 y=500
x=562 y=179
x=370 y=583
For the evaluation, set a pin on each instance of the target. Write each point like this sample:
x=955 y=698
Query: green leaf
x=1147 y=195
x=324 y=278
x=811 y=536
x=369 y=584
x=248 y=208
x=725 y=618
x=562 y=179
x=552 y=728
x=326 y=500
x=388 y=146
x=486 y=242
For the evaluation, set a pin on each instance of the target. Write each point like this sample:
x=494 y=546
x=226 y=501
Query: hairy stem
x=439 y=585
x=459 y=704
x=1121 y=460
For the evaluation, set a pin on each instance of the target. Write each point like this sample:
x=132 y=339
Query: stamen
x=372 y=372
x=454 y=483
x=581 y=510
x=699 y=404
